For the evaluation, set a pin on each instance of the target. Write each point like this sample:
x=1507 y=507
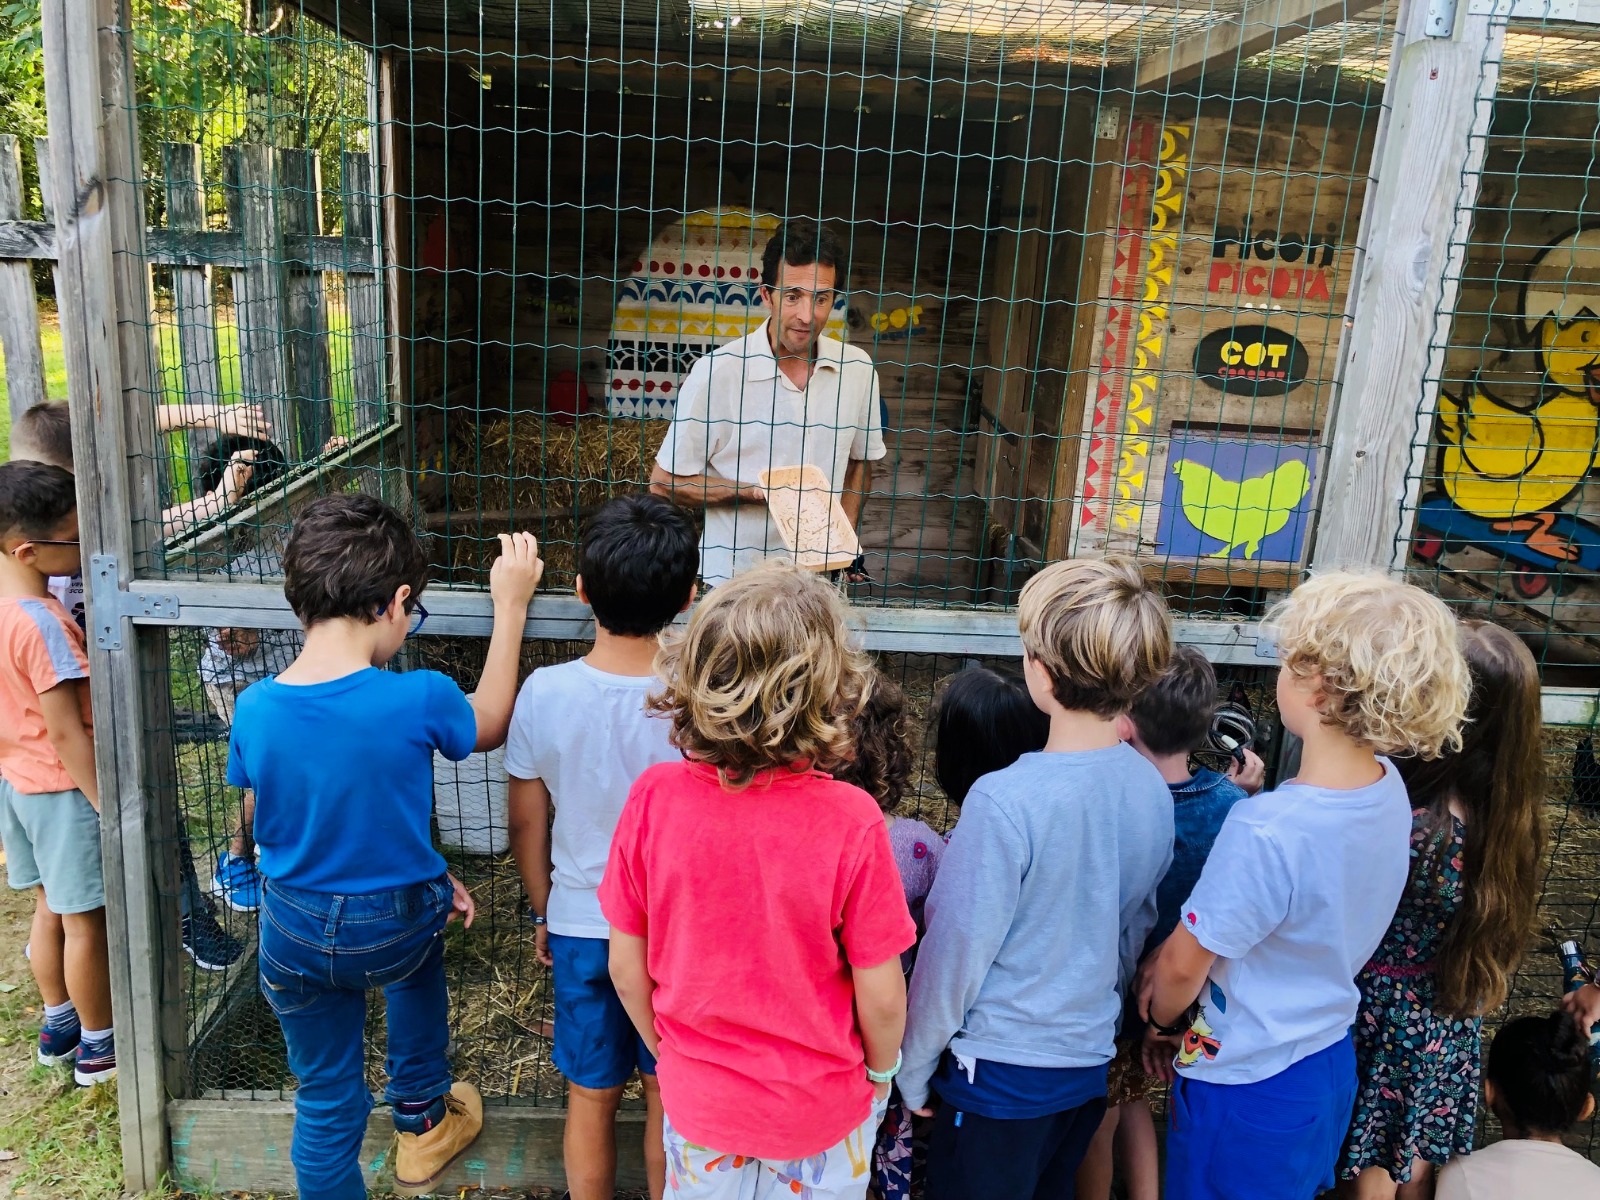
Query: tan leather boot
x=423 y=1157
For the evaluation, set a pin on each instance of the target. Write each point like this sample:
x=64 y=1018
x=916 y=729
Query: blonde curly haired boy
x=757 y=918
x=1255 y=990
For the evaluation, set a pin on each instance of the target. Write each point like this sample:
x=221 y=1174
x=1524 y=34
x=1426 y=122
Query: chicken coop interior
x=1106 y=259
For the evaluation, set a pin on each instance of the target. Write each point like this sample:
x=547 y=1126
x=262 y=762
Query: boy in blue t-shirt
x=334 y=747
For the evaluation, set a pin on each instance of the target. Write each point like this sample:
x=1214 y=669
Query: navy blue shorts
x=1276 y=1139
x=596 y=1044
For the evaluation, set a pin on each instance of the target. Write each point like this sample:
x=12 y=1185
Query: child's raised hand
x=516 y=573
x=1252 y=777
x=461 y=903
x=1584 y=1004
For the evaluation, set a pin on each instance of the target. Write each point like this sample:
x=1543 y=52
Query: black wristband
x=1178 y=1027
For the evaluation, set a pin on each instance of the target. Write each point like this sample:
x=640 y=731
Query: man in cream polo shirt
x=784 y=396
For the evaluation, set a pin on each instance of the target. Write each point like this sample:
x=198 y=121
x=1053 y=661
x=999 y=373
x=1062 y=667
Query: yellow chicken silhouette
x=1242 y=513
x=1511 y=466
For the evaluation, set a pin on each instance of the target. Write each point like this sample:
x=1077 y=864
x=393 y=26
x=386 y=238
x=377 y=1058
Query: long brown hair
x=1497 y=778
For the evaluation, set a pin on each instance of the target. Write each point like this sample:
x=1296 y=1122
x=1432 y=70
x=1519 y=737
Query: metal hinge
x=1441 y=21
x=1579 y=12
x=110 y=602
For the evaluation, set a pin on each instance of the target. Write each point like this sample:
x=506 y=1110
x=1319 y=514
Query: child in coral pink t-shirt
x=757 y=918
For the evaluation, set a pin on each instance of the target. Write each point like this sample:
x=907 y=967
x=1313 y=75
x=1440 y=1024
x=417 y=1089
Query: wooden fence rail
x=278 y=255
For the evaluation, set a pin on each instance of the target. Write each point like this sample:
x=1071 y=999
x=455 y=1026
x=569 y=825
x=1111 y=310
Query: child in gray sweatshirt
x=1042 y=903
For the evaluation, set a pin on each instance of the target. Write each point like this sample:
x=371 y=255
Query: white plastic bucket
x=469 y=802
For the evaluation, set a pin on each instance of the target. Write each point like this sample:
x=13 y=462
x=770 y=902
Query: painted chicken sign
x=1508 y=476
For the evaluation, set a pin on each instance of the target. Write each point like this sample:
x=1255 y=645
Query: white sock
x=96 y=1035
x=61 y=1014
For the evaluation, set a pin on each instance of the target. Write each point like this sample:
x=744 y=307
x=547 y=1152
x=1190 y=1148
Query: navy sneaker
x=238 y=883
x=211 y=946
x=97 y=1063
x=59 y=1046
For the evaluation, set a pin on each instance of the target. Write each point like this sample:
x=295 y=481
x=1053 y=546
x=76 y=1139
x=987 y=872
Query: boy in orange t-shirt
x=49 y=803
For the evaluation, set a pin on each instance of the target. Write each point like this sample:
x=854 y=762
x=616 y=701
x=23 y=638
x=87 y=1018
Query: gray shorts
x=53 y=839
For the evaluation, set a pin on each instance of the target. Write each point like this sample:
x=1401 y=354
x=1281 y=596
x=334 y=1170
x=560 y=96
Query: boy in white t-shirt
x=1254 y=989
x=579 y=737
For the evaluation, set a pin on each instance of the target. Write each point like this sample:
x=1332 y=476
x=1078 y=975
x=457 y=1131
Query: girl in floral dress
x=1457 y=936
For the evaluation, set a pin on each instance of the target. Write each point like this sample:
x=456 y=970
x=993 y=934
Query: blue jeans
x=320 y=954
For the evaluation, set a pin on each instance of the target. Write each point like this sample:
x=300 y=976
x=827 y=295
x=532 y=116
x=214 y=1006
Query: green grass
x=228 y=385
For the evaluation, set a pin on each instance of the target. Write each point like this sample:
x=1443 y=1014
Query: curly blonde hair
x=765 y=674
x=1388 y=656
x=1099 y=629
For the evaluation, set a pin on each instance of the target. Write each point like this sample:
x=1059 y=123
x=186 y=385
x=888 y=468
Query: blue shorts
x=596 y=1044
x=1223 y=1136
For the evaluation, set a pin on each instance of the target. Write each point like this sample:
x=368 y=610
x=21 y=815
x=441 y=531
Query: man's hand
x=516 y=573
x=541 y=946
x=1158 y=1052
x=235 y=479
x=1252 y=776
x=461 y=904
x=1584 y=1004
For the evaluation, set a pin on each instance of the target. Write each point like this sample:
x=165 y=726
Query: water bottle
x=1574 y=974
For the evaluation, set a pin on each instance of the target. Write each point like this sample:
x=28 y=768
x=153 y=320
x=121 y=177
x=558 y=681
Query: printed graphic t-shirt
x=41 y=647
x=586 y=735
x=343 y=776
x=1296 y=895
x=755 y=904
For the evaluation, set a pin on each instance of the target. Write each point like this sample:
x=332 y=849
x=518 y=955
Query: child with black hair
x=1538 y=1085
x=580 y=736
x=882 y=768
x=985 y=721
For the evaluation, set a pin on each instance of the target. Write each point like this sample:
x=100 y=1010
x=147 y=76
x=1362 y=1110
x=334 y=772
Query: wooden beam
x=200 y=248
x=226 y=1145
x=1259 y=25
x=1426 y=164
x=103 y=299
x=19 y=306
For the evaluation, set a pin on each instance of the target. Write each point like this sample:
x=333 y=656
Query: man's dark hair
x=347 y=556
x=985 y=721
x=639 y=560
x=269 y=462
x=1173 y=715
x=35 y=498
x=43 y=433
x=801 y=242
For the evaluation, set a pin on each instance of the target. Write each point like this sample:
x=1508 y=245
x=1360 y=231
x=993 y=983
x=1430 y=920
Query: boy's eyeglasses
x=55 y=541
x=418 y=616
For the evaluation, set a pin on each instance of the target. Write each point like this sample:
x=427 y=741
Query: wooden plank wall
x=562 y=195
x=1541 y=186
x=1189 y=186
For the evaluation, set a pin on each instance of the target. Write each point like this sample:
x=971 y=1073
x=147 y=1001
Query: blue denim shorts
x=596 y=1043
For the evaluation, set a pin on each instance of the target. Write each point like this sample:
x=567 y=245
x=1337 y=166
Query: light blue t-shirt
x=1296 y=895
x=1043 y=901
x=343 y=776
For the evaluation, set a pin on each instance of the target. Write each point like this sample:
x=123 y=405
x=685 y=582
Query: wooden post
x=305 y=308
x=191 y=287
x=19 y=306
x=103 y=297
x=1430 y=145
x=363 y=291
x=257 y=293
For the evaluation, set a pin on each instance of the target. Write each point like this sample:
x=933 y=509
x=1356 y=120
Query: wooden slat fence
x=278 y=254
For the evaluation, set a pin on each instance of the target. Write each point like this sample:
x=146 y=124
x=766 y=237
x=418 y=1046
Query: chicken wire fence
x=1501 y=507
x=1098 y=259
